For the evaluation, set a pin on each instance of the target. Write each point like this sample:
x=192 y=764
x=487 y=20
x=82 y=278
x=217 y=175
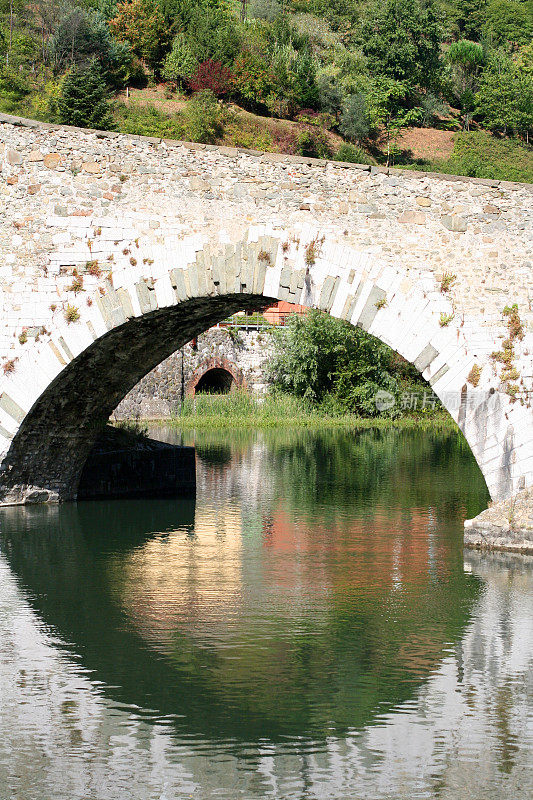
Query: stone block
x=454 y=224
x=412 y=218
x=370 y=309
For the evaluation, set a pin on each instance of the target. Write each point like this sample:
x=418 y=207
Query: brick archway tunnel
x=215 y=376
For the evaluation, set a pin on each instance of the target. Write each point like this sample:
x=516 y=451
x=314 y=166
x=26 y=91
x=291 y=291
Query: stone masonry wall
x=117 y=250
x=71 y=196
x=160 y=392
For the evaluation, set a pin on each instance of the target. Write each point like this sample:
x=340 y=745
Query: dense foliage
x=339 y=367
x=348 y=72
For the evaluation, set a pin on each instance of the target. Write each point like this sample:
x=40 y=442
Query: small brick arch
x=238 y=381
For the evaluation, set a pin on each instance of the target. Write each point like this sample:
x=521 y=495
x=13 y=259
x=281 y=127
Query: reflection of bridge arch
x=139 y=546
x=215 y=376
x=64 y=388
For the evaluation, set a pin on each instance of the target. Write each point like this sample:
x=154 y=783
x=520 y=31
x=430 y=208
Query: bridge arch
x=64 y=386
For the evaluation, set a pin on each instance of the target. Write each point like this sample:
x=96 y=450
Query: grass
x=478 y=154
x=242 y=410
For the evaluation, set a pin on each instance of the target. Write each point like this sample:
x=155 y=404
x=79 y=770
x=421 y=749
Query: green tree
x=80 y=36
x=214 y=34
x=253 y=78
x=323 y=359
x=401 y=40
x=83 y=99
x=387 y=100
x=330 y=93
x=355 y=123
x=180 y=63
x=141 y=24
x=508 y=21
x=465 y=60
x=468 y=17
x=505 y=97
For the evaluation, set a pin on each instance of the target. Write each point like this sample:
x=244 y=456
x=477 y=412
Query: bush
x=352 y=155
x=83 y=99
x=317 y=357
x=205 y=118
x=212 y=76
x=480 y=155
x=14 y=88
x=148 y=121
x=313 y=144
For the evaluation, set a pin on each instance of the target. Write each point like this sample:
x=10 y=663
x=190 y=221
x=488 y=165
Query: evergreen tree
x=180 y=64
x=83 y=100
x=355 y=122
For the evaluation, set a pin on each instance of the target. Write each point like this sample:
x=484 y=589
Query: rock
x=52 y=160
x=34 y=156
x=412 y=218
x=13 y=157
x=507 y=525
x=60 y=211
x=33 y=188
x=12 y=180
x=239 y=190
x=454 y=224
x=92 y=167
x=198 y=185
x=490 y=209
x=424 y=202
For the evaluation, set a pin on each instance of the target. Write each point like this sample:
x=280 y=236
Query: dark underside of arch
x=53 y=442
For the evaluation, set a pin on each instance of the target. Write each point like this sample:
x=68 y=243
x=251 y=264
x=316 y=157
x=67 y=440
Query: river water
x=309 y=627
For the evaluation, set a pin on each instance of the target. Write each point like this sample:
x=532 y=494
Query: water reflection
x=307 y=625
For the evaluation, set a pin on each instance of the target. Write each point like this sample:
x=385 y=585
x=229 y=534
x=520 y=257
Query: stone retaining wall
x=159 y=394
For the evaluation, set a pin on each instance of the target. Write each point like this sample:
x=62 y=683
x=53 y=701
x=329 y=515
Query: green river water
x=308 y=627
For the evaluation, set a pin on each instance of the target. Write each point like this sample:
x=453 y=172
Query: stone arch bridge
x=116 y=250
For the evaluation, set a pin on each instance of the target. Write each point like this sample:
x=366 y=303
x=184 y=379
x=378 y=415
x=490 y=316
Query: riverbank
x=504 y=526
x=241 y=410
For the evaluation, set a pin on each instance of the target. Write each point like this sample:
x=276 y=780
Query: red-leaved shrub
x=212 y=76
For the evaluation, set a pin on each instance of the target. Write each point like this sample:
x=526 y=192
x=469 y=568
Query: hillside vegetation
x=369 y=81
